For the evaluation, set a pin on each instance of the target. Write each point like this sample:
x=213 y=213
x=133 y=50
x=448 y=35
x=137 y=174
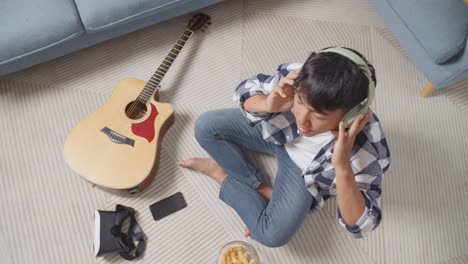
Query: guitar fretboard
x=153 y=83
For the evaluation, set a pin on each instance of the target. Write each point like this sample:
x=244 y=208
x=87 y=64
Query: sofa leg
x=428 y=90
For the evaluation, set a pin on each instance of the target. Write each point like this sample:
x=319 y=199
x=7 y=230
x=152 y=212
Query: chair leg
x=428 y=90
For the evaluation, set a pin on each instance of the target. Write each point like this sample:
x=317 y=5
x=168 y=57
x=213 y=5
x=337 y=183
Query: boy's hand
x=345 y=141
x=281 y=99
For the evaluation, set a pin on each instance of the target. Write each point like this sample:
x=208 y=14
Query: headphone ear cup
x=349 y=117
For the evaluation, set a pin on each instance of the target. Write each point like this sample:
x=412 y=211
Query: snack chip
x=237 y=255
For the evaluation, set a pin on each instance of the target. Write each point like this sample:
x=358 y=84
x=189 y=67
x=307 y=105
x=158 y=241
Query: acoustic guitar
x=117 y=147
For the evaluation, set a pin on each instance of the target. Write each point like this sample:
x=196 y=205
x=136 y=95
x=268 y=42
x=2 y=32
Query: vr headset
x=108 y=235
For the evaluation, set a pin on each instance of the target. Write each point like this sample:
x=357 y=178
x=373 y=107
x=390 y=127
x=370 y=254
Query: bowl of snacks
x=238 y=252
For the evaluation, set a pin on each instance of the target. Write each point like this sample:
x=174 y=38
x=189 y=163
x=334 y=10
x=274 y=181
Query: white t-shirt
x=302 y=150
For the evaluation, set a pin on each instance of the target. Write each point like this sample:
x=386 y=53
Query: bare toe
x=185 y=163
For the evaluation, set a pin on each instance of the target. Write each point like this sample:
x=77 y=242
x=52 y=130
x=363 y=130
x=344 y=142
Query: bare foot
x=206 y=166
x=247 y=232
x=265 y=191
x=212 y=169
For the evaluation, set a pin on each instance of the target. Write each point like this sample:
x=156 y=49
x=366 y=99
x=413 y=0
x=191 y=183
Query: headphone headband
x=363 y=107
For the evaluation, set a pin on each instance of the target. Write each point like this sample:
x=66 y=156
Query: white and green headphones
x=362 y=107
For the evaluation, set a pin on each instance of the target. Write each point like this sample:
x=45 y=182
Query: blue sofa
x=32 y=32
x=433 y=33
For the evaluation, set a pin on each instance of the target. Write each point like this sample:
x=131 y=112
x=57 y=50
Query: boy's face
x=310 y=122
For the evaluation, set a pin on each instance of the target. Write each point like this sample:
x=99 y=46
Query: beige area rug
x=48 y=209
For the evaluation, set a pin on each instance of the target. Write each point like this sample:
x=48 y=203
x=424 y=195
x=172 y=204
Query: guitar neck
x=153 y=83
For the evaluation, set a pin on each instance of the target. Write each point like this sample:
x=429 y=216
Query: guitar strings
x=135 y=105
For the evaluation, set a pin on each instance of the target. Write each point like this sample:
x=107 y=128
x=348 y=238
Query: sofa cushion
x=103 y=14
x=441 y=27
x=30 y=26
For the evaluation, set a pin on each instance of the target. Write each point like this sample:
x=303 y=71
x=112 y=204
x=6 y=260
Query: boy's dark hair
x=330 y=81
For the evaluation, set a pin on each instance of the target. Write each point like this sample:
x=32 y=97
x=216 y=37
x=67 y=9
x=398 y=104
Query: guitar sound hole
x=135 y=110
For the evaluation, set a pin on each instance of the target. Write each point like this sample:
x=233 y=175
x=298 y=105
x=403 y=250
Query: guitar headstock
x=199 y=22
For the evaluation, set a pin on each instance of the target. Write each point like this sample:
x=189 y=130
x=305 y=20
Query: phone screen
x=168 y=206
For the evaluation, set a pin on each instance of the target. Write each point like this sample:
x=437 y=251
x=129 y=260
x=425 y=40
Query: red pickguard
x=145 y=129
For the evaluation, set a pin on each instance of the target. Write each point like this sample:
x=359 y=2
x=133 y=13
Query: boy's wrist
x=256 y=104
x=343 y=168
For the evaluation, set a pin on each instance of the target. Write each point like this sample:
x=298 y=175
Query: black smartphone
x=167 y=206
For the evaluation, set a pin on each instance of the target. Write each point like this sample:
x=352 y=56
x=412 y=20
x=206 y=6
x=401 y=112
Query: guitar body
x=118 y=153
x=118 y=146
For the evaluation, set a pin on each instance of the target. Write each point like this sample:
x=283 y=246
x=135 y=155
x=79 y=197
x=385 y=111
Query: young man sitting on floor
x=299 y=115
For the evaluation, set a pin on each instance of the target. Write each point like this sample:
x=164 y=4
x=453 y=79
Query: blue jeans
x=222 y=133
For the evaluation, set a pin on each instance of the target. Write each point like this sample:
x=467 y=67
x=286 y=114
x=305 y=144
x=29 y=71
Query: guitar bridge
x=117 y=138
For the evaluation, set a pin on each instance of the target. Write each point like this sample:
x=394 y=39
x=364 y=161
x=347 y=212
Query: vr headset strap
x=134 y=233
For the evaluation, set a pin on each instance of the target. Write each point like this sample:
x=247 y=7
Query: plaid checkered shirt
x=370 y=156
